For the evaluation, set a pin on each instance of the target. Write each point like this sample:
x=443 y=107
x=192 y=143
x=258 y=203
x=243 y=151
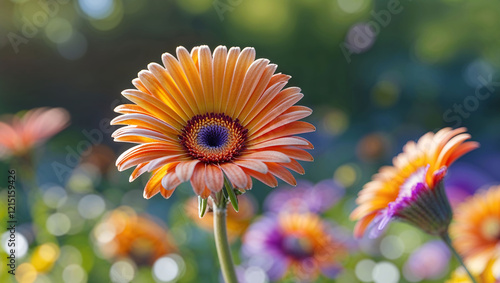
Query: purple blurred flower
x=301 y=244
x=488 y=160
x=463 y=180
x=305 y=197
x=430 y=262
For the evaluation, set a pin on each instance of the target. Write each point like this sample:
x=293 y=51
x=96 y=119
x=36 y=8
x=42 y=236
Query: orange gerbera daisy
x=411 y=189
x=476 y=231
x=204 y=115
x=19 y=134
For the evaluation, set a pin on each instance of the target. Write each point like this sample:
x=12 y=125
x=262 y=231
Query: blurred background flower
x=476 y=230
x=296 y=244
x=124 y=234
x=464 y=180
x=491 y=274
x=405 y=190
x=21 y=133
x=428 y=262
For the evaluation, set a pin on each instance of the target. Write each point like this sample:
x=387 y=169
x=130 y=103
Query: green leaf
x=231 y=195
x=202 y=206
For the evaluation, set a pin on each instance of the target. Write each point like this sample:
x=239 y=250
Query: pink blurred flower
x=19 y=134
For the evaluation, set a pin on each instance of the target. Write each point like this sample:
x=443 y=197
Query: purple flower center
x=297 y=247
x=213 y=136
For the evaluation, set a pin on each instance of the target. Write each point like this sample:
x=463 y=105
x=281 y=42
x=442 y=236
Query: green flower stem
x=221 y=240
x=446 y=239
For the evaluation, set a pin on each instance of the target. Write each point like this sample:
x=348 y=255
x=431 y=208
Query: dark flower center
x=297 y=247
x=141 y=251
x=213 y=138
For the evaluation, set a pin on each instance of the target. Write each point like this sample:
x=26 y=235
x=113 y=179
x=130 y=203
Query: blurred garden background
x=376 y=74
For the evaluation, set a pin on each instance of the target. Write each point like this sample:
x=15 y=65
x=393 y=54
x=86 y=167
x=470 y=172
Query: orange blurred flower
x=237 y=222
x=476 y=231
x=123 y=233
x=411 y=189
x=205 y=115
x=19 y=134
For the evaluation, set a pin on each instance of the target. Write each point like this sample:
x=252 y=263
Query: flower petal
x=179 y=78
x=147 y=122
x=255 y=165
x=214 y=178
x=286 y=141
x=154 y=184
x=166 y=193
x=293 y=152
x=138 y=171
x=229 y=70
x=207 y=77
x=219 y=66
x=295 y=166
x=266 y=156
x=235 y=174
x=257 y=93
x=185 y=169
x=154 y=106
x=159 y=162
x=193 y=77
x=282 y=173
x=171 y=89
x=145 y=153
x=245 y=58
x=290 y=129
x=267 y=179
x=170 y=181
x=261 y=103
x=198 y=178
x=293 y=114
x=277 y=106
x=156 y=89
